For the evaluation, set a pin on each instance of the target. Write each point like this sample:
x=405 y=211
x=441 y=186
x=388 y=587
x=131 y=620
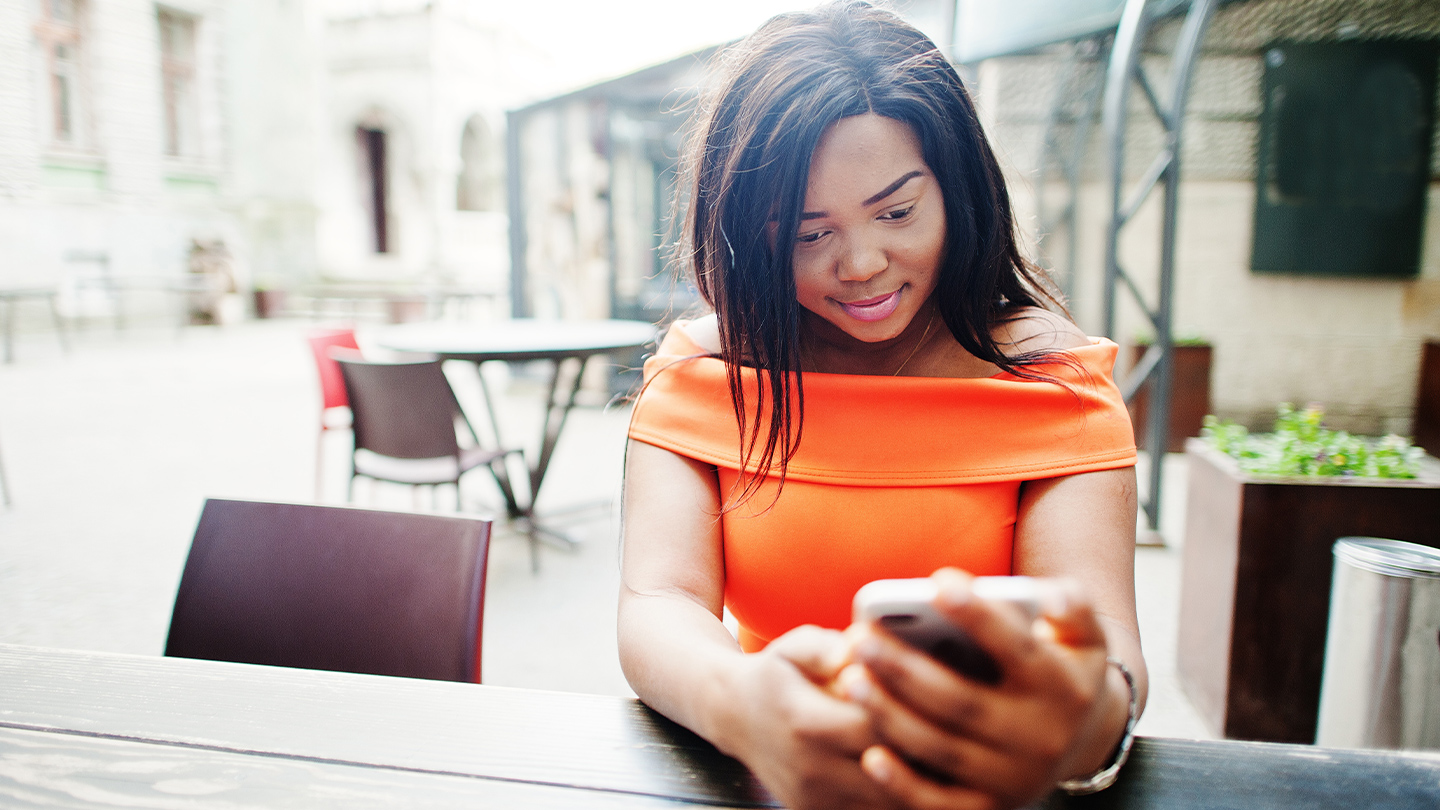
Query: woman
x=881 y=392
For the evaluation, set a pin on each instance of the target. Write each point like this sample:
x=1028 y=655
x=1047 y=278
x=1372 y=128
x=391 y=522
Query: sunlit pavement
x=112 y=448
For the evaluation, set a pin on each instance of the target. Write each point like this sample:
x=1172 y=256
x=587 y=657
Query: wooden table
x=94 y=730
x=521 y=340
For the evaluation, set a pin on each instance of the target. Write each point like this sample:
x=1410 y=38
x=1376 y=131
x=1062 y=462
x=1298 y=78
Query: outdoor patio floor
x=112 y=448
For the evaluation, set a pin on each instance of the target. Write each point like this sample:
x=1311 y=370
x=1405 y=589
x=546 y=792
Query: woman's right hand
x=802 y=742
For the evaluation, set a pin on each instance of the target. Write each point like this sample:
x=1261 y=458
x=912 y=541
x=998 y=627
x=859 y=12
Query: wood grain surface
x=50 y=770
x=93 y=730
x=551 y=738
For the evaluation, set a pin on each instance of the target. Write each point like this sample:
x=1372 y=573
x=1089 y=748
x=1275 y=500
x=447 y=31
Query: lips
x=872 y=309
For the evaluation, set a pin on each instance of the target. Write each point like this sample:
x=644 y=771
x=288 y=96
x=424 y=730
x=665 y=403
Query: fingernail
x=956 y=594
x=874 y=763
x=867 y=650
x=857 y=687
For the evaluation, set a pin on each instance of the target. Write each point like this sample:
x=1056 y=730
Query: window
x=1344 y=160
x=177 y=76
x=58 y=32
x=373 y=171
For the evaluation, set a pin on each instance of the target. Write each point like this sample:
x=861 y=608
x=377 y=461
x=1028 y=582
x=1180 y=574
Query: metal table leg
x=559 y=400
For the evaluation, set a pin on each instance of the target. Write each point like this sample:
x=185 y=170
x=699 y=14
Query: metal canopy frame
x=1156 y=367
x=1074 y=104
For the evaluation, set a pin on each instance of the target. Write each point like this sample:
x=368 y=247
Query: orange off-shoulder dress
x=894 y=476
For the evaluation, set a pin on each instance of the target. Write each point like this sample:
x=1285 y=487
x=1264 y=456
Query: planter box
x=1255 y=584
x=269 y=303
x=1189 y=395
x=1427 y=400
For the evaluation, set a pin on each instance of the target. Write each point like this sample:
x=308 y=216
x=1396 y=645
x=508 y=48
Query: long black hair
x=747 y=162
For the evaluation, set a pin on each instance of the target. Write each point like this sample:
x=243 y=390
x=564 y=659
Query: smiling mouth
x=872 y=309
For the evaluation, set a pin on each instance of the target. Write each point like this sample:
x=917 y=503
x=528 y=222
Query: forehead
x=860 y=155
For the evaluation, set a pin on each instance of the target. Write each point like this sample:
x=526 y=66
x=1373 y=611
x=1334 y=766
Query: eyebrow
x=869 y=201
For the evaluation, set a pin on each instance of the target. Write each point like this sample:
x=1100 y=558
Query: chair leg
x=59 y=323
x=319 y=465
x=4 y=484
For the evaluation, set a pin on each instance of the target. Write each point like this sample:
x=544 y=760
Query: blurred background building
x=318 y=141
x=384 y=141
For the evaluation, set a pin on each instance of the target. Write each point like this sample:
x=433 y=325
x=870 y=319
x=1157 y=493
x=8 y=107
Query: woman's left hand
x=951 y=742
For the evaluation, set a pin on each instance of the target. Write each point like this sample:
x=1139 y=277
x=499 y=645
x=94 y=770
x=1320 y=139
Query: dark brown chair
x=407 y=424
x=334 y=588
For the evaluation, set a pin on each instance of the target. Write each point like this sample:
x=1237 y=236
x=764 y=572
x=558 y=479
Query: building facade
x=115 y=156
x=1350 y=343
x=315 y=141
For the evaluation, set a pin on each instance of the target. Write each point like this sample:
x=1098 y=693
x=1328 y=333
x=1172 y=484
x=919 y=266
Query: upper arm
x=671 y=528
x=1083 y=527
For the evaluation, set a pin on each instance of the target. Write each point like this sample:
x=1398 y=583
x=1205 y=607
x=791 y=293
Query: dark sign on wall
x=1344 y=158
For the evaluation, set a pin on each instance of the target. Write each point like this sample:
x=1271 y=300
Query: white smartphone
x=905 y=608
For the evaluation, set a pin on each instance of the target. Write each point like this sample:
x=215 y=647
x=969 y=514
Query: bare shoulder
x=1032 y=329
x=704 y=331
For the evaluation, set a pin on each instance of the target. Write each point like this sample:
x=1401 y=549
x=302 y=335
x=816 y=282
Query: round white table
x=520 y=340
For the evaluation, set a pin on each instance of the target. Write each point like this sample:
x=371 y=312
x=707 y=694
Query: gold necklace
x=923 y=336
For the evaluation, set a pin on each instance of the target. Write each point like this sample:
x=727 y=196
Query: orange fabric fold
x=893 y=477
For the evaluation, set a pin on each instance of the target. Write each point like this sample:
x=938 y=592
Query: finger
x=1001 y=630
x=914 y=790
x=935 y=753
x=1070 y=614
x=821 y=719
x=913 y=678
x=818 y=653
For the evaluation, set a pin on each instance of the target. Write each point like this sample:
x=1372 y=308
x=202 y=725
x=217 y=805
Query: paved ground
x=112 y=449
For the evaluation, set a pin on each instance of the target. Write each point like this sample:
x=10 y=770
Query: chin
x=873 y=331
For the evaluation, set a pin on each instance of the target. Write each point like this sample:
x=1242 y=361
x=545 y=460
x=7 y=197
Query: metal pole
x=1156 y=369
x=515 y=201
x=1123 y=53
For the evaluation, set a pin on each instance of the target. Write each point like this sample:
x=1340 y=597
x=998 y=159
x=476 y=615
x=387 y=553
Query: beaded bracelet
x=1106 y=776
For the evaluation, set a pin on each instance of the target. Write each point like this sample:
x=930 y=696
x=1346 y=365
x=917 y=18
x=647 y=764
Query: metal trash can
x=1381 y=687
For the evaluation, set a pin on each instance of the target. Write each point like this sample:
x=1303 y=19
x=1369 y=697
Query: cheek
x=808 y=267
x=807 y=285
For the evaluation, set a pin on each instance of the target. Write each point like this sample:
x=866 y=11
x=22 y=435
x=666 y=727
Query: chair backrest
x=401 y=410
x=323 y=587
x=332 y=387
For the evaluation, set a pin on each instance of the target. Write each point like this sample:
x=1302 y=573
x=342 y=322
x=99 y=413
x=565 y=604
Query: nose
x=862 y=260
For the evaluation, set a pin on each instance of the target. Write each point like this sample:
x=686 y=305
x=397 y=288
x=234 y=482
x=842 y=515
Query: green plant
x=1302 y=446
x=1184 y=339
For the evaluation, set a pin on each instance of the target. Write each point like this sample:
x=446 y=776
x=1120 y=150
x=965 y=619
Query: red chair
x=334 y=402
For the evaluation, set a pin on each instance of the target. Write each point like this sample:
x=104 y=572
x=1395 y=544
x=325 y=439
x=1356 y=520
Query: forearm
x=1095 y=747
x=678 y=658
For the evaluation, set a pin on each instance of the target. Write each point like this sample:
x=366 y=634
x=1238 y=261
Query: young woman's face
x=872 y=232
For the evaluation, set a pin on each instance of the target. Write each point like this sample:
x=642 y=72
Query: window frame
x=65 y=118
x=179 y=84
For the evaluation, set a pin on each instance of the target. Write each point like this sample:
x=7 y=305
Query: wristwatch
x=1106 y=776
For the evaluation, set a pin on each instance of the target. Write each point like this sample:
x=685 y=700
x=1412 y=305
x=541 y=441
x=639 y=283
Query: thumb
x=1069 y=615
x=818 y=653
